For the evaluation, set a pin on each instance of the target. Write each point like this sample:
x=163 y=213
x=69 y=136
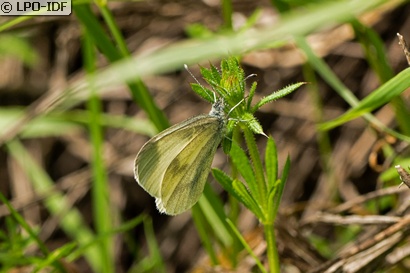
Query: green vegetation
x=254 y=182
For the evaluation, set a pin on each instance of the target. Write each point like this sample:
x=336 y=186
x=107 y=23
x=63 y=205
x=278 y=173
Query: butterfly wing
x=174 y=165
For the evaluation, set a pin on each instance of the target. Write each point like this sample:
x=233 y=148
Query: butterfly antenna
x=250 y=76
x=192 y=75
x=236 y=105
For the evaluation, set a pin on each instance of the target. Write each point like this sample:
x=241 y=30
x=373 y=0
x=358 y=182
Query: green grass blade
x=325 y=72
x=201 y=227
x=158 y=263
x=55 y=257
x=70 y=219
x=213 y=211
x=138 y=90
x=377 y=98
x=246 y=246
x=194 y=51
x=57 y=124
x=374 y=50
x=100 y=191
x=377 y=58
x=20 y=219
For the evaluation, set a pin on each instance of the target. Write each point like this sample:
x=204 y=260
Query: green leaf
x=225 y=180
x=272 y=200
x=203 y=92
x=376 y=55
x=211 y=76
x=241 y=162
x=280 y=185
x=215 y=74
x=56 y=256
x=237 y=189
x=253 y=124
x=227 y=140
x=377 y=98
x=271 y=163
x=242 y=194
x=276 y=95
x=251 y=94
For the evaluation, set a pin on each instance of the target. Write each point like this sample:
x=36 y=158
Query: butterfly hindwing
x=190 y=168
x=156 y=155
x=173 y=166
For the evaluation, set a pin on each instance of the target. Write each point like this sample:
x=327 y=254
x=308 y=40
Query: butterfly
x=173 y=166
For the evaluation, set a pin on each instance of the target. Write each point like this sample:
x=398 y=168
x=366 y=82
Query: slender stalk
x=227 y=13
x=115 y=31
x=99 y=190
x=272 y=252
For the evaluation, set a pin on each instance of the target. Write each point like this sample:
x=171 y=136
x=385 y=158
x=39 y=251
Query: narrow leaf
x=203 y=92
x=251 y=94
x=213 y=217
x=253 y=124
x=272 y=198
x=377 y=98
x=238 y=190
x=246 y=246
x=247 y=199
x=280 y=186
x=225 y=181
x=241 y=162
x=271 y=163
x=201 y=224
x=277 y=95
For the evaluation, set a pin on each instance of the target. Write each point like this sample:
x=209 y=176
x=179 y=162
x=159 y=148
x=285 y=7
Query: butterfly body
x=173 y=166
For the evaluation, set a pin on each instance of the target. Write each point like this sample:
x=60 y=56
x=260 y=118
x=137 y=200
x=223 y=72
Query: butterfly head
x=218 y=109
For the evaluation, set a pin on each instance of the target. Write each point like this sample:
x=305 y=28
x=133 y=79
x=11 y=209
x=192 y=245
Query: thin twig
x=351 y=219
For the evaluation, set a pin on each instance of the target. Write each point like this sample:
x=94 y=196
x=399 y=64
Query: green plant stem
x=272 y=252
x=227 y=13
x=270 y=238
x=257 y=166
x=99 y=190
x=115 y=31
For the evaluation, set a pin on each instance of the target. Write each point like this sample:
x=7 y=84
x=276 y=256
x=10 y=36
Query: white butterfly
x=173 y=166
